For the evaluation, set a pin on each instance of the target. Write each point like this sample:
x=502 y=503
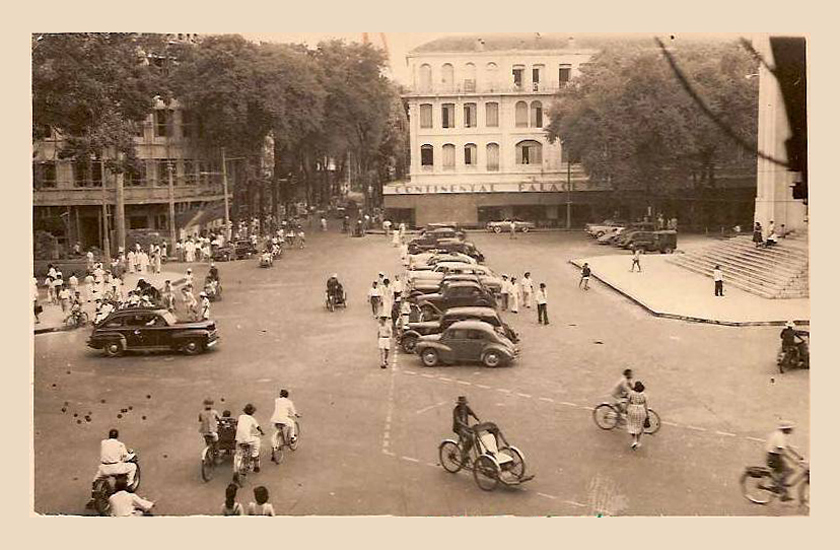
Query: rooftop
x=514 y=41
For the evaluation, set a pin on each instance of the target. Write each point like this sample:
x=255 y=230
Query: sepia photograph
x=420 y=274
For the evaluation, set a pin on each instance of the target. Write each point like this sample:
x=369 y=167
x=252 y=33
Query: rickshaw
x=492 y=459
x=225 y=447
x=336 y=299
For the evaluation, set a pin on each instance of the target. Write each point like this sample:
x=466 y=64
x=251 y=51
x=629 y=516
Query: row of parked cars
x=454 y=295
x=633 y=235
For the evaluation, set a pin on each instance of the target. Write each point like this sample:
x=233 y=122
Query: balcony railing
x=471 y=87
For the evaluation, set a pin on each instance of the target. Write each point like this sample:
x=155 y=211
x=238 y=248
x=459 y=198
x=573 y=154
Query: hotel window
x=536 y=114
x=190 y=176
x=448 y=157
x=529 y=152
x=470 y=115
x=135 y=176
x=565 y=74
x=187 y=124
x=162 y=120
x=425 y=78
x=521 y=114
x=469 y=77
x=492 y=157
x=447 y=111
x=492 y=112
x=426 y=115
x=162 y=166
x=535 y=77
x=470 y=151
x=492 y=76
x=43 y=175
x=427 y=157
x=447 y=77
x=96 y=173
x=518 y=71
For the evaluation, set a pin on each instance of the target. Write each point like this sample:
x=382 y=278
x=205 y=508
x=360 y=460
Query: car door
x=458 y=342
x=473 y=345
x=138 y=331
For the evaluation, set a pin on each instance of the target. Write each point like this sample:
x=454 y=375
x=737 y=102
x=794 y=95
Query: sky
x=399 y=44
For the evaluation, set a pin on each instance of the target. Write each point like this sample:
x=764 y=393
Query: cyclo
x=492 y=459
x=216 y=451
x=103 y=487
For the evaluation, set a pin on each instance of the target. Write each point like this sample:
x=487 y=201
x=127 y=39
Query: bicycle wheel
x=208 y=464
x=486 y=473
x=605 y=416
x=655 y=423
x=294 y=444
x=757 y=485
x=450 y=456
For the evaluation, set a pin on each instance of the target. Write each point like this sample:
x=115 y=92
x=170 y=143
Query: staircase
x=777 y=272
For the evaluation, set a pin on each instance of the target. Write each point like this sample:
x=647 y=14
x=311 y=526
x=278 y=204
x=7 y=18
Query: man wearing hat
x=461 y=425
x=248 y=431
x=208 y=420
x=505 y=292
x=205 y=306
x=383 y=334
x=778 y=450
x=792 y=341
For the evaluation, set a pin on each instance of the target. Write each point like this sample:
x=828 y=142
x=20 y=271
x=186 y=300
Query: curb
x=689 y=318
x=48 y=330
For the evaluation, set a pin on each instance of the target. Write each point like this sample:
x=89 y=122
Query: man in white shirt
x=717 y=275
x=778 y=451
x=505 y=292
x=112 y=454
x=387 y=299
x=527 y=288
x=375 y=297
x=125 y=504
x=283 y=420
x=542 y=305
x=248 y=431
x=397 y=288
x=205 y=306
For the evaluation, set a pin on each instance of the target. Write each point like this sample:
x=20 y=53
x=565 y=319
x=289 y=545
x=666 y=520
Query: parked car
x=458 y=293
x=466 y=342
x=428 y=286
x=664 y=242
x=464 y=247
x=144 y=329
x=598 y=229
x=487 y=276
x=610 y=236
x=408 y=338
x=430 y=259
x=504 y=225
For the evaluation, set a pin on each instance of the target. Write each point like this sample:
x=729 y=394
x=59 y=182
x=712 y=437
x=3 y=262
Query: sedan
x=504 y=225
x=466 y=342
x=145 y=329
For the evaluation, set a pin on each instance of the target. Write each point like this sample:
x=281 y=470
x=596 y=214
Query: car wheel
x=113 y=348
x=599 y=234
x=408 y=343
x=525 y=229
x=192 y=346
x=668 y=250
x=492 y=359
x=497 y=229
x=430 y=357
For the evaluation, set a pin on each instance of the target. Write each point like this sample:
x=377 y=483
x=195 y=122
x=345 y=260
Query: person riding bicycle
x=214 y=272
x=125 y=504
x=334 y=289
x=248 y=432
x=778 y=451
x=460 y=425
x=112 y=455
x=621 y=391
x=792 y=340
x=209 y=425
x=284 y=421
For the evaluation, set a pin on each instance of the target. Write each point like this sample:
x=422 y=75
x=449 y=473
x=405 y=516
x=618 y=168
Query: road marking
x=389 y=453
x=464 y=382
x=552 y=497
x=432 y=464
x=548 y=399
x=522 y=394
x=445 y=379
x=696 y=428
x=427 y=376
x=410 y=459
x=430 y=407
x=724 y=433
x=483 y=386
x=409 y=372
x=755 y=439
x=669 y=423
x=573 y=503
x=503 y=390
x=568 y=404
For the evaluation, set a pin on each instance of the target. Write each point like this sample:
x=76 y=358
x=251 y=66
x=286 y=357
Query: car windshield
x=169 y=318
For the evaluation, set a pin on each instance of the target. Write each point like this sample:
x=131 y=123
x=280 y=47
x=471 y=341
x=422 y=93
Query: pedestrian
x=637 y=413
x=660 y=222
x=397 y=288
x=395 y=239
x=585 y=272
x=512 y=229
x=542 y=305
x=301 y=239
x=188 y=277
x=514 y=296
x=637 y=254
x=205 y=306
x=505 y=292
x=527 y=289
x=386 y=226
x=758 y=237
x=323 y=223
x=782 y=231
x=164 y=250
x=771 y=228
x=231 y=507
x=89 y=260
x=404 y=254
x=37 y=309
x=48 y=282
x=63 y=295
x=261 y=507
x=375 y=297
x=717 y=275
x=383 y=335
x=387 y=298
x=179 y=250
x=89 y=287
x=405 y=314
x=74 y=283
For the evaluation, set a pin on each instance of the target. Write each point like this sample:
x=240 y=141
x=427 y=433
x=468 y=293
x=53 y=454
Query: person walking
x=758 y=237
x=527 y=289
x=514 y=296
x=505 y=292
x=384 y=332
x=512 y=229
x=542 y=305
x=387 y=298
x=585 y=272
x=37 y=309
x=717 y=275
x=637 y=413
x=395 y=239
x=231 y=507
x=637 y=255
x=375 y=297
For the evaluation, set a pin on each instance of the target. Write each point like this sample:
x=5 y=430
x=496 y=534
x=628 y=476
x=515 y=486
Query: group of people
x=767 y=237
x=390 y=306
x=523 y=291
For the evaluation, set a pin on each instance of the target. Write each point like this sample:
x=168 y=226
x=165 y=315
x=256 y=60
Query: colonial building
x=477 y=109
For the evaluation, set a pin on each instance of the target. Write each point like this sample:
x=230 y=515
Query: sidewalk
x=666 y=290
x=52 y=318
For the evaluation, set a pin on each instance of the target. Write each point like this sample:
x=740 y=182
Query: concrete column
x=119 y=211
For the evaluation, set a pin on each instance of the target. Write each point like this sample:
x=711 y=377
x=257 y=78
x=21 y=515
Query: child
x=262 y=507
x=209 y=425
x=637 y=254
x=585 y=272
x=231 y=507
x=64 y=298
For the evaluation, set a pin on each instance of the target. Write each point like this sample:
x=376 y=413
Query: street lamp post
x=227 y=203
x=568 y=192
x=172 y=232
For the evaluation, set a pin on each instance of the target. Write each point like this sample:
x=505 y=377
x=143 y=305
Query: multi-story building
x=477 y=110
x=71 y=198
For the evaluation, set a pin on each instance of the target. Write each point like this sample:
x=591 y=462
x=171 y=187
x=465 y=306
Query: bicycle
x=280 y=441
x=608 y=416
x=243 y=463
x=76 y=320
x=760 y=486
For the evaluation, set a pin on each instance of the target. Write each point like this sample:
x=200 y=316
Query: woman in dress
x=758 y=238
x=513 y=296
x=637 y=412
x=231 y=507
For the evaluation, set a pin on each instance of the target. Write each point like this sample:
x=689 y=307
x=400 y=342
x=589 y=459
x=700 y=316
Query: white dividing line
x=568 y=404
x=548 y=399
x=552 y=497
x=522 y=394
x=409 y=372
x=483 y=386
x=445 y=379
x=724 y=433
x=755 y=439
x=573 y=503
x=503 y=390
x=669 y=423
x=427 y=376
x=430 y=407
x=464 y=382
x=432 y=464
x=696 y=428
x=389 y=453
x=409 y=459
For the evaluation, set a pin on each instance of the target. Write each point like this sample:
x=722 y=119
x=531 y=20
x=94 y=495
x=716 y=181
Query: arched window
x=425 y=77
x=492 y=71
x=427 y=157
x=529 y=152
x=448 y=157
x=492 y=157
x=447 y=76
x=536 y=114
x=521 y=114
x=470 y=152
x=469 y=77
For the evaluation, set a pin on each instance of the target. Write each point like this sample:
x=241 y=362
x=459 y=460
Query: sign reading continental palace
x=456 y=188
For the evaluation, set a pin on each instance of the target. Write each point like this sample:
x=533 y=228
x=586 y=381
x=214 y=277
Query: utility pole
x=106 y=239
x=172 y=237
x=568 y=192
x=227 y=204
x=119 y=216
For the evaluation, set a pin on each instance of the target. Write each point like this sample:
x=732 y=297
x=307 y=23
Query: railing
x=470 y=87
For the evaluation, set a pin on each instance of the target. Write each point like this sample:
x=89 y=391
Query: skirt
x=636 y=419
x=384 y=343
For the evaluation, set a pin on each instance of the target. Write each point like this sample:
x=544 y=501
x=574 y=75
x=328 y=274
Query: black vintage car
x=455 y=294
x=408 y=338
x=464 y=247
x=146 y=329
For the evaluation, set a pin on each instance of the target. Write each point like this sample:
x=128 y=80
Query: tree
x=631 y=124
